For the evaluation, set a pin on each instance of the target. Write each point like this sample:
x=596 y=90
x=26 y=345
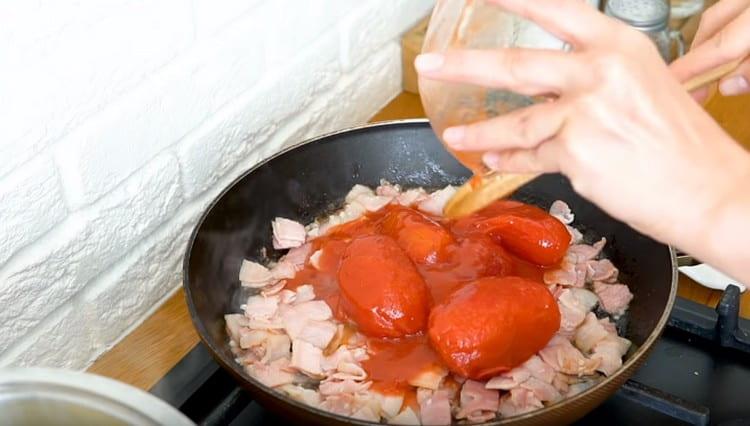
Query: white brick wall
x=121 y=119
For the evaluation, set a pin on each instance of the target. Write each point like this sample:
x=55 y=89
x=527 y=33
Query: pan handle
x=684 y=259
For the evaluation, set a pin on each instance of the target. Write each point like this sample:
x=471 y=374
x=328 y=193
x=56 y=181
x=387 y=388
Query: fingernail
x=429 y=62
x=491 y=160
x=454 y=136
x=700 y=95
x=733 y=86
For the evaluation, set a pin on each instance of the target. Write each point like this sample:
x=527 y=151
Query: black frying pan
x=312 y=179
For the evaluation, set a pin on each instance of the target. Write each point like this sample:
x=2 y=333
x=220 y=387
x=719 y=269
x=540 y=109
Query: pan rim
x=233 y=368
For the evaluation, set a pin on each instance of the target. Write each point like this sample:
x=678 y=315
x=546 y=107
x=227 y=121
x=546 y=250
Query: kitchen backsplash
x=121 y=119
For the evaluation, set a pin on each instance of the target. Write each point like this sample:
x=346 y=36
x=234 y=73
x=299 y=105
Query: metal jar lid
x=644 y=15
x=37 y=396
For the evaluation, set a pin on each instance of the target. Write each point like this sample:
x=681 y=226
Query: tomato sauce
x=389 y=271
x=394 y=362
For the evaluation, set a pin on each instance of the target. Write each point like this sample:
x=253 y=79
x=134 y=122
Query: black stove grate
x=696 y=374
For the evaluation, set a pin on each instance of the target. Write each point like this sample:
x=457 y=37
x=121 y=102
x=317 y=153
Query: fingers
x=716 y=17
x=526 y=71
x=547 y=158
x=730 y=43
x=574 y=21
x=737 y=83
x=524 y=128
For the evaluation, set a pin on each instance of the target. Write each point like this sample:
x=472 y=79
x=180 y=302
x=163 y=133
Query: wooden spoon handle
x=711 y=75
x=473 y=196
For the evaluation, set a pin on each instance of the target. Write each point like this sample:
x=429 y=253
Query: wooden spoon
x=479 y=193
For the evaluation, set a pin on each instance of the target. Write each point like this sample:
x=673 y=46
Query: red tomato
x=381 y=290
x=493 y=325
x=526 y=230
x=481 y=256
x=423 y=239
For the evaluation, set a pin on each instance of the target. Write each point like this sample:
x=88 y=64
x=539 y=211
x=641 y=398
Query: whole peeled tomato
x=424 y=240
x=381 y=290
x=493 y=325
x=525 y=230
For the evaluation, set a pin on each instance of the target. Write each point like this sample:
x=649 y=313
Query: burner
x=695 y=374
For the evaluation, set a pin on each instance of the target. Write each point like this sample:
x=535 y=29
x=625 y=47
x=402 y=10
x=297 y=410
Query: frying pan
x=312 y=178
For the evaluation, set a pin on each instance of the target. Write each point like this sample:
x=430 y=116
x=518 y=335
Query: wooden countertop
x=152 y=349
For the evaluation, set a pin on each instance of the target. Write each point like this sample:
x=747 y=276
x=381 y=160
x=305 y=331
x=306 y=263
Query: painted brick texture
x=122 y=119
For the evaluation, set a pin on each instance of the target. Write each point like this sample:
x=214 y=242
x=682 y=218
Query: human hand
x=723 y=36
x=621 y=127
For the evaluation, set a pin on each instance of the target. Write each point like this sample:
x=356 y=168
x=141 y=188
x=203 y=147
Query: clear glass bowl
x=475 y=24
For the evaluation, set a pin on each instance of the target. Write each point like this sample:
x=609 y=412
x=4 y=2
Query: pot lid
x=32 y=396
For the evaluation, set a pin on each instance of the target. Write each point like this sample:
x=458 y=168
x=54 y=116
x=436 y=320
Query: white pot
x=34 y=396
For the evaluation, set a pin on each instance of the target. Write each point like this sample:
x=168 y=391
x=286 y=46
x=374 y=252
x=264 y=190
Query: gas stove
x=697 y=373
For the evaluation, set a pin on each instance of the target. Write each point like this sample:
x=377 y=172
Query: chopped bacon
x=250 y=338
x=273 y=290
x=304 y=395
x=589 y=333
x=586 y=298
x=542 y=390
x=561 y=355
x=568 y=274
x=614 y=298
x=261 y=308
x=475 y=399
x=390 y=404
x=255 y=275
x=430 y=378
x=370 y=400
x=406 y=417
x=277 y=346
x=609 y=352
x=315 y=259
x=306 y=358
x=509 y=379
x=365 y=197
x=560 y=210
x=580 y=253
x=411 y=197
x=314 y=310
x=340 y=356
x=287 y=296
x=317 y=333
x=572 y=311
x=349 y=371
x=266 y=324
x=283 y=270
x=340 y=403
x=271 y=375
x=305 y=293
x=287 y=233
x=387 y=189
x=561 y=382
x=539 y=369
x=234 y=323
x=295 y=317
x=351 y=212
x=601 y=270
x=518 y=401
x=366 y=413
x=434 y=406
x=575 y=235
x=333 y=387
x=297 y=256
x=437 y=200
